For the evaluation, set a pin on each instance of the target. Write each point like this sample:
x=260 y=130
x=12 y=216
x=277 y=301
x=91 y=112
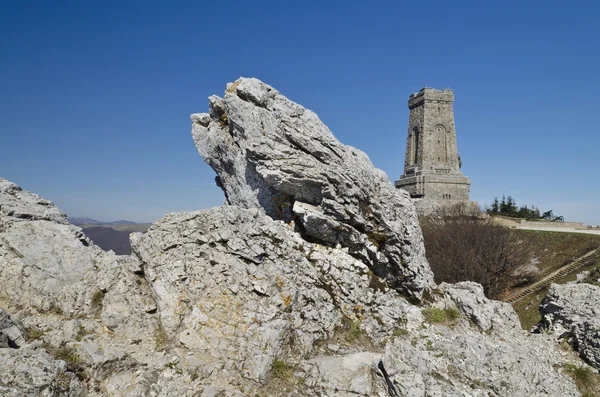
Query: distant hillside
x=85 y=221
x=109 y=239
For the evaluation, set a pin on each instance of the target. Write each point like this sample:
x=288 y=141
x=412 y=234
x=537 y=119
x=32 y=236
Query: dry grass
x=34 y=333
x=555 y=249
x=585 y=379
x=527 y=309
x=161 y=339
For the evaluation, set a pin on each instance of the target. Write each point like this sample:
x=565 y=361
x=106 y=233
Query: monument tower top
x=432 y=164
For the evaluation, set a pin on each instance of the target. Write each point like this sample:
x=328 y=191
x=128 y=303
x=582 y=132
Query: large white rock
x=50 y=265
x=26 y=372
x=236 y=287
x=211 y=299
x=272 y=153
x=572 y=311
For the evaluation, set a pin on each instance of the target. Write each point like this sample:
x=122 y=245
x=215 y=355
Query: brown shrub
x=468 y=247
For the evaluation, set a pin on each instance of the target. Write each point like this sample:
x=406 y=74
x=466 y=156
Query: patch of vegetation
x=82 y=332
x=233 y=86
x=435 y=315
x=461 y=245
x=552 y=250
x=97 y=300
x=438 y=376
x=56 y=310
x=287 y=300
x=528 y=309
x=161 y=339
x=508 y=207
x=281 y=383
x=478 y=384
x=68 y=355
x=354 y=332
x=34 y=333
x=429 y=345
x=452 y=314
x=223 y=120
x=399 y=332
x=62 y=381
x=174 y=367
x=594 y=277
x=587 y=382
x=453 y=371
x=282 y=370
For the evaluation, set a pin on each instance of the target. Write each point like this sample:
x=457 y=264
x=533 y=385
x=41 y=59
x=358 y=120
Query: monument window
x=416 y=144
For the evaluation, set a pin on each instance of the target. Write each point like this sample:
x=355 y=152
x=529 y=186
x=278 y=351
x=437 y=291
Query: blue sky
x=95 y=97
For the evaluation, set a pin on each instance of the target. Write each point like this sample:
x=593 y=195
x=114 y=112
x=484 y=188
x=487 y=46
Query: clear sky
x=95 y=97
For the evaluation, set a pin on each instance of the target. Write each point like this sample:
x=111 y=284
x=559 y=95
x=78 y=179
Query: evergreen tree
x=508 y=207
x=503 y=206
x=494 y=207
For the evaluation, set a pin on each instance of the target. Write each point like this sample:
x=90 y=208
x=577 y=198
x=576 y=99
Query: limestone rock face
x=27 y=372
x=482 y=352
x=12 y=333
x=487 y=314
x=48 y=264
x=52 y=272
x=43 y=258
x=277 y=294
x=572 y=311
x=21 y=204
x=236 y=287
x=272 y=153
x=459 y=361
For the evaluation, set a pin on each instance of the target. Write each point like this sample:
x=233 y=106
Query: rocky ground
x=312 y=281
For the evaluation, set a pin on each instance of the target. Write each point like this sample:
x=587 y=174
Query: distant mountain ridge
x=79 y=221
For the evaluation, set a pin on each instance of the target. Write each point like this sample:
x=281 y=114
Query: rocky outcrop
x=50 y=265
x=272 y=153
x=12 y=333
x=572 y=312
x=242 y=300
x=63 y=288
x=239 y=289
x=47 y=271
x=28 y=372
x=468 y=298
x=18 y=204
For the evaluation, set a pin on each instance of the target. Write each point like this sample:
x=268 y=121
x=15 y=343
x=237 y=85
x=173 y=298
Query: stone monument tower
x=432 y=164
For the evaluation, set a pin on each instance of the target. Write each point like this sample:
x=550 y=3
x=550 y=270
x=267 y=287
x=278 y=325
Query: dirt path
x=568 y=268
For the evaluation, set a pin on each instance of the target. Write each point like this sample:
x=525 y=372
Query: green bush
x=436 y=315
x=97 y=298
x=34 y=333
x=282 y=370
x=354 y=331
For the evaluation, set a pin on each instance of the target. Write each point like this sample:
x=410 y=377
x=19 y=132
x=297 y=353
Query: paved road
x=559 y=229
